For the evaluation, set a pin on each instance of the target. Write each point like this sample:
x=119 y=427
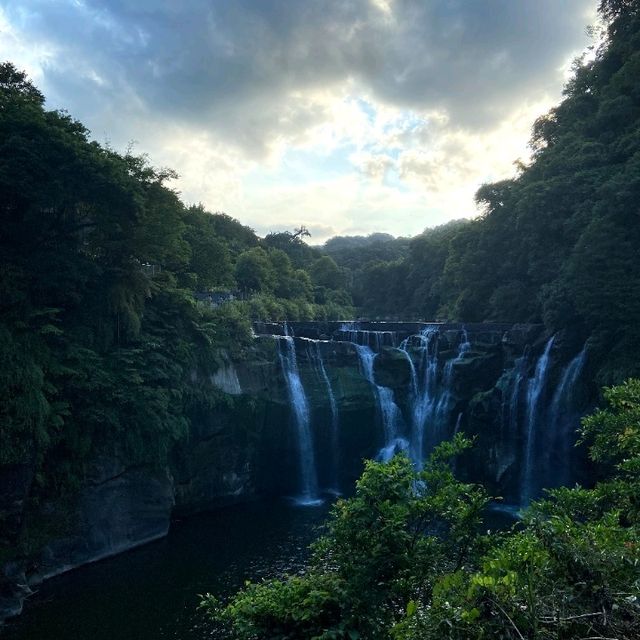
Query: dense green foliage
x=362 y=259
x=384 y=546
x=557 y=244
x=102 y=269
x=405 y=557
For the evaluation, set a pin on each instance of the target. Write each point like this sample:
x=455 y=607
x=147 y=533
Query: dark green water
x=152 y=592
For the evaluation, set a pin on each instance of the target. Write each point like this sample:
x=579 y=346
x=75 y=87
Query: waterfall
x=562 y=417
x=511 y=385
x=562 y=396
x=456 y=429
x=535 y=396
x=306 y=458
x=374 y=339
x=443 y=407
x=423 y=388
x=316 y=356
x=514 y=400
x=511 y=399
x=387 y=408
x=527 y=413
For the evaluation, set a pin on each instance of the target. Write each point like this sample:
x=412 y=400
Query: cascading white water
x=424 y=386
x=514 y=400
x=562 y=396
x=456 y=429
x=443 y=408
x=387 y=408
x=301 y=413
x=512 y=385
x=535 y=398
x=316 y=356
x=562 y=418
x=511 y=402
x=374 y=339
x=536 y=418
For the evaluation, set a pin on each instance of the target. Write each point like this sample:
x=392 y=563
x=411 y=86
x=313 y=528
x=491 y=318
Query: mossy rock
x=476 y=373
x=391 y=368
x=351 y=389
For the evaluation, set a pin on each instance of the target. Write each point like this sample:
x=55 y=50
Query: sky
x=346 y=116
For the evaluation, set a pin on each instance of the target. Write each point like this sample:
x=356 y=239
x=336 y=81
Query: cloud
x=244 y=68
x=374 y=166
x=399 y=93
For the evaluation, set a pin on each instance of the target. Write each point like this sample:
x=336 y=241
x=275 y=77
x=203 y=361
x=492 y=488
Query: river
x=152 y=592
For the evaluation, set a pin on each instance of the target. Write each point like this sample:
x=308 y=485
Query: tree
x=405 y=557
x=210 y=256
x=254 y=271
x=572 y=568
x=326 y=273
x=292 y=243
x=16 y=87
x=384 y=546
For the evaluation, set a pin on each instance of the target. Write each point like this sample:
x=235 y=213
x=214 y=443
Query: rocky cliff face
x=117 y=509
x=367 y=390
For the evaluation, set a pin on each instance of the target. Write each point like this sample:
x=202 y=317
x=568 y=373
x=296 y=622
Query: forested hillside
x=559 y=243
x=101 y=263
x=101 y=270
